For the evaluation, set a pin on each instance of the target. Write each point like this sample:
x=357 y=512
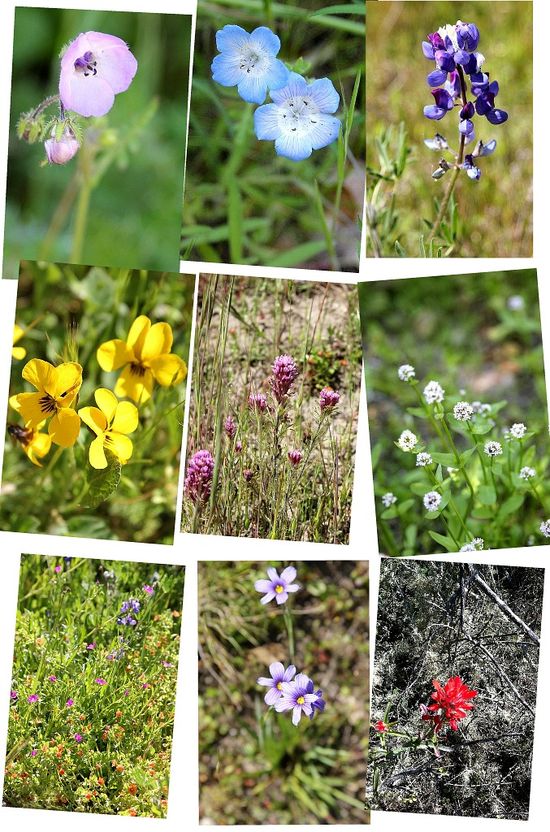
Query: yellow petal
x=126 y=418
x=112 y=355
x=30 y=408
x=18 y=353
x=41 y=374
x=68 y=381
x=107 y=403
x=119 y=445
x=65 y=427
x=138 y=333
x=38 y=447
x=157 y=342
x=168 y=369
x=13 y=401
x=94 y=418
x=132 y=385
x=96 y=454
x=18 y=333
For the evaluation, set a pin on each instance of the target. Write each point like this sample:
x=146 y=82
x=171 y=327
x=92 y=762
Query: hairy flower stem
x=51 y=99
x=290 y=633
x=456 y=170
x=459 y=462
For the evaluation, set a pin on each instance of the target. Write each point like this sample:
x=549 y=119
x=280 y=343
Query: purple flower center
x=87 y=65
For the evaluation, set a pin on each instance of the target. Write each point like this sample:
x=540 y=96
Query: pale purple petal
x=263 y=585
x=293 y=588
x=265 y=681
x=272 y=573
x=288 y=574
x=281 y=597
x=272 y=696
x=289 y=673
x=277 y=670
x=296 y=714
x=267 y=598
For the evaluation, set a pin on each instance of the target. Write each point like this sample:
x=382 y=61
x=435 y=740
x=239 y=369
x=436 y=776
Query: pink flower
x=248 y=474
x=52 y=678
x=295 y=457
x=100 y=681
x=59 y=152
x=198 y=481
x=328 y=398
x=230 y=426
x=257 y=401
x=91 y=646
x=32 y=698
x=78 y=737
x=69 y=703
x=94 y=68
x=34 y=752
x=238 y=446
x=285 y=372
x=148 y=589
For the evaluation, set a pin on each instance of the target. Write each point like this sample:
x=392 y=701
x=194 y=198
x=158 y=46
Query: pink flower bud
x=295 y=457
x=257 y=401
x=230 y=427
x=328 y=398
x=62 y=151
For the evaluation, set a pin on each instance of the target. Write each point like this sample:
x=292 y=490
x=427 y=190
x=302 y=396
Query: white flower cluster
x=434 y=392
x=423 y=459
x=517 y=431
x=388 y=499
x=527 y=473
x=407 y=441
x=475 y=546
x=432 y=500
x=545 y=528
x=463 y=411
x=493 y=448
x=406 y=372
x=481 y=408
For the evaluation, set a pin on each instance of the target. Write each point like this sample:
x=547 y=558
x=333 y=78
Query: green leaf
x=511 y=504
x=419 y=412
x=445 y=459
x=405 y=506
x=448 y=544
x=481 y=429
x=103 y=483
x=486 y=495
x=465 y=455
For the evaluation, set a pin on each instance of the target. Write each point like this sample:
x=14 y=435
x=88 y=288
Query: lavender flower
x=476 y=545
x=275 y=684
x=463 y=411
x=198 y=481
x=328 y=398
x=230 y=427
x=319 y=703
x=60 y=151
x=493 y=448
x=69 y=703
x=298 y=697
x=52 y=678
x=284 y=374
x=257 y=401
x=14 y=696
x=434 y=392
x=278 y=586
x=100 y=681
x=432 y=500
x=131 y=605
x=295 y=457
x=406 y=372
x=388 y=499
x=249 y=62
x=148 y=589
x=78 y=737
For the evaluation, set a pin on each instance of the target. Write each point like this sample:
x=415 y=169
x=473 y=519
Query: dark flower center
x=86 y=65
x=47 y=404
x=137 y=369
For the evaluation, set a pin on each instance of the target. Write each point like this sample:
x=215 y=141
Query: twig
x=501 y=673
x=501 y=604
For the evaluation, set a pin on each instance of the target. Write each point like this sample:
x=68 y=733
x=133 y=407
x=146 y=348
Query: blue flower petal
x=265 y=39
x=277 y=75
x=434 y=112
x=266 y=122
x=436 y=78
x=497 y=116
x=324 y=95
x=252 y=89
x=296 y=85
x=326 y=131
x=293 y=146
x=231 y=38
x=226 y=70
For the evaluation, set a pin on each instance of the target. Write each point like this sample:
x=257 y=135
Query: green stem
x=451 y=535
x=537 y=495
x=82 y=206
x=478 y=451
x=290 y=633
x=459 y=462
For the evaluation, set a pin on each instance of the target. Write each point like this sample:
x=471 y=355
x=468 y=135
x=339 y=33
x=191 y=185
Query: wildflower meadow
x=99 y=103
x=454 y=689
x=275 y=166
x=457 y=412
x=93 y=686
x=275 y=397
x=449 y=97
x=283 y=691
x=95 y=414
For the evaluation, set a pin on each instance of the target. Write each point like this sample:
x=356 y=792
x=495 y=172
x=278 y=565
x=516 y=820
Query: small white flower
x=515 y=303
x=545 y=528
x=518 y=430
x=493 y=448
x=463 y=411
x=432 y=501
x=527 y=473
x=479 y=407
x=423 y=459
x=406 y=372
x=407 y=440
x=434 y=392
x=476 y=545
x=388 y=499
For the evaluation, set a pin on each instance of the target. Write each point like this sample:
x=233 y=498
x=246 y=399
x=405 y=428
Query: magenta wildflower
x=34 y=752
x=100 y=681
x=91 y=646
x=248 y=474
x=198 y=481
x=145 y=685
x=230 y=427
x=167 y=664
x=278 y=586
x=238 y=446
x=57 y=569
x=148 y=589
x=126 y=692
x=285 y=372
x=14 y=695
x=78 y=737
x=258 y=401
x=295 y=457
x=69 y=703
x=94 y=68
x=52 y=678
x=328 y=398
x=32 y=698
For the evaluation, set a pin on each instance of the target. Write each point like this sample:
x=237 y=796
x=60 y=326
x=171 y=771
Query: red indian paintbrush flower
x=451 y=703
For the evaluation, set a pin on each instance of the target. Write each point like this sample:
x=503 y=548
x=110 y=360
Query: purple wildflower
x=32 y=698
x=100 y=681
x=248 y=474
x=230 y=427
x=328 y=398
x=278 y=586
x=198 y=481
x=52 y=678
x=297 y=697
x=284 y=374
x=295 y=457
x=78 y=737
x=34 y=752
x=319 y=703
x=167 y=664
x=131 y=605
x=91 y=646
x=238 y=446
x=148 y=589
x=275 y=684
x=57 y=568
x=258 y=401
x=14 y=696
x=94 y=68
x=69 y=703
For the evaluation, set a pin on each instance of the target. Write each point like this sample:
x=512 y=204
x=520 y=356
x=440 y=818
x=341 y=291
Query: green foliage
x=483 y=218
x=243 y=203
x=255 y=766
x=66 y=312
x=82 y=746
x=432 y=323
x=243 y=324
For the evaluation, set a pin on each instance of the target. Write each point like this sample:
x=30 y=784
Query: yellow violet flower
x=57 y=389
x=34 y=443
x=111 y=421
x=146 y=358
x=18 y=352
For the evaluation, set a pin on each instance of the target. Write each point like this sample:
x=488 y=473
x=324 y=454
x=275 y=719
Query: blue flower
x=248 y=62
x=299 y=121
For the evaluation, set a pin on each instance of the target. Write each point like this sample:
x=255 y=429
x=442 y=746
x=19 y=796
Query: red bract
x=380 y=726
x=451 y=703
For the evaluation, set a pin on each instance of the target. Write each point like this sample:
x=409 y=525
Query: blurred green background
x=495 y=212
x=255 y=766
x=140 y=194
